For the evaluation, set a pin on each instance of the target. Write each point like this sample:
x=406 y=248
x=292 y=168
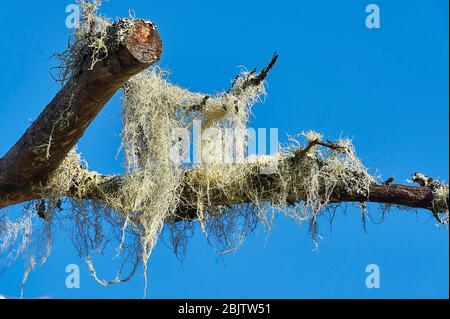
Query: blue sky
x=387 y=88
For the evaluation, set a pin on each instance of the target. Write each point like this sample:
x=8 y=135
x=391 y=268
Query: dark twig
x=303 y=151
x=251 y=79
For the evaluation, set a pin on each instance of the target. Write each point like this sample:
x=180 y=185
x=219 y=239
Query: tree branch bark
x=61 y=124
x=420 y=197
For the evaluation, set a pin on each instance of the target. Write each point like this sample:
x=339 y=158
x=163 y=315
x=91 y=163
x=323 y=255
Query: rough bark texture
x=45 y=144
x=393 y=194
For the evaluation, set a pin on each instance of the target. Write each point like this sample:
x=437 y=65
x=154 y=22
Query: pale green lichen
x=150 y=195
x=134 y=214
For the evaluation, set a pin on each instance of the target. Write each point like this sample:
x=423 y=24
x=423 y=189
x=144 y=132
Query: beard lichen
x=440 y=191
x=228 y=200
x=87 y=44
x=440 y=203
x=91 y=40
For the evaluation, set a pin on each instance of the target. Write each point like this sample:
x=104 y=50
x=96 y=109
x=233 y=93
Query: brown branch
x=265 y=186
x=419 y=197
x=415 y=197
x=60 y=125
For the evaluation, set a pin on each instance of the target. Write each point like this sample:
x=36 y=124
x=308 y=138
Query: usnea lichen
x=91 y=40
x=228 y=200
x=87 y=43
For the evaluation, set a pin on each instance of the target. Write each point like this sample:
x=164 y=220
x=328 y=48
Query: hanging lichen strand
x=153 y=110
x=151 y=192
x=156 y=186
